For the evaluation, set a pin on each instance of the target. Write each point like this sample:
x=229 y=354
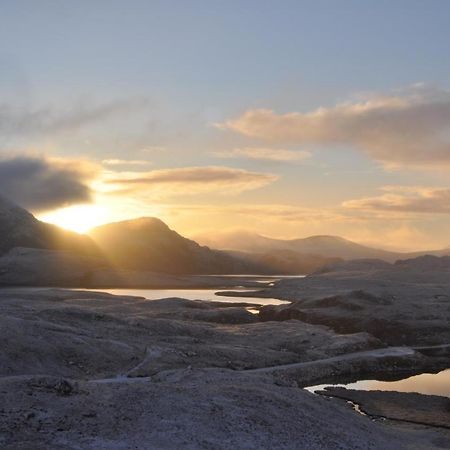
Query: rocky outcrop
x=79 y=333
x=188 y=409
x=401 y=304
x=96 y=371
x=412 y=407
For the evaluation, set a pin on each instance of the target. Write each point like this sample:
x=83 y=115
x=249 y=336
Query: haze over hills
x=286 y=262
x=324 y=246
x=148 y=243
x=145 y=245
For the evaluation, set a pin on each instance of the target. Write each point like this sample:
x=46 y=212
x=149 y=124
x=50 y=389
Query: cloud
x=34 y=122
x=125 y=162
x=268 y=154
x=153 y=149
x=422 y=200
x=265 y=212
x=42 y=184
x=409 y=128
x=288 y=214
x=187 y=180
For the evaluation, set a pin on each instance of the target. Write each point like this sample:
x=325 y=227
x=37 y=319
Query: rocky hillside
x=19 y=228
x=323 y=246
x=146 y=245
x=149 y=244
x=406 y=303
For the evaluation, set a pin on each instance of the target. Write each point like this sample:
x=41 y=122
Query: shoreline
x=81 y=349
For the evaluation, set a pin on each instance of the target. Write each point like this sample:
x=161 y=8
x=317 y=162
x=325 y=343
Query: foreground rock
x=96 y=371
x=410 y=407
x=85 y=334
x=209 y=409
x=407 y=303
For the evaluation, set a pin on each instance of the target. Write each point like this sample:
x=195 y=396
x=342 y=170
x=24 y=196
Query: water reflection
x=193 y=294
x=425 y=383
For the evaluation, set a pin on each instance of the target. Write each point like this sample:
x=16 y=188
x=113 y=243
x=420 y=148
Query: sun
x=79 y=218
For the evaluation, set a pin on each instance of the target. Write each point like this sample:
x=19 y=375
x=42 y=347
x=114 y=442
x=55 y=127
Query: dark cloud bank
x=42 y=184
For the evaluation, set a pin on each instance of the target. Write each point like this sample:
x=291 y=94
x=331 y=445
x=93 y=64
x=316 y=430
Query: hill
x=323 y=246
x=149 y=244
x=19 y=228
x=125 y=253
x=287 y=262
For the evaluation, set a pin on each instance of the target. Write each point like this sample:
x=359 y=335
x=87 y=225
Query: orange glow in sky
x=79 y=218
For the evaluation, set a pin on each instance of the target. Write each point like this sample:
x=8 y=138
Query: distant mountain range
x=33 y=250
x=286 y=262
x=319 y=246
x=144 y=245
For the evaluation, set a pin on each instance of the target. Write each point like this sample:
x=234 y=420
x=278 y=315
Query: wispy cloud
x=35 y=122
x=410 y=128
x=187 y=181
x=267 y=154
x=125 y=162
x=422 y=200
x=153 y=149
x=266 y=212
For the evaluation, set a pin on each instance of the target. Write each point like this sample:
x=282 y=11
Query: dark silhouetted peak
x=148 y=223
x=148 y=243
x=19 y=228
x=140 y=232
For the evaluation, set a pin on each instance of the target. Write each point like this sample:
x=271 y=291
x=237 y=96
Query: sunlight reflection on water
x=194 y=294
x=425 y=383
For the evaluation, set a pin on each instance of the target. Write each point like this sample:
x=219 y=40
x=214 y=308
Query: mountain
x=19 y=228
x=323 y=246
x=338 y=247
x=149 y=244
x=287 y=262
x=36 y=253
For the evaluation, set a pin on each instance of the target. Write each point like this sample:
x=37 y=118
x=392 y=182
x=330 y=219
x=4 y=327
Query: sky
x=287 y=118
